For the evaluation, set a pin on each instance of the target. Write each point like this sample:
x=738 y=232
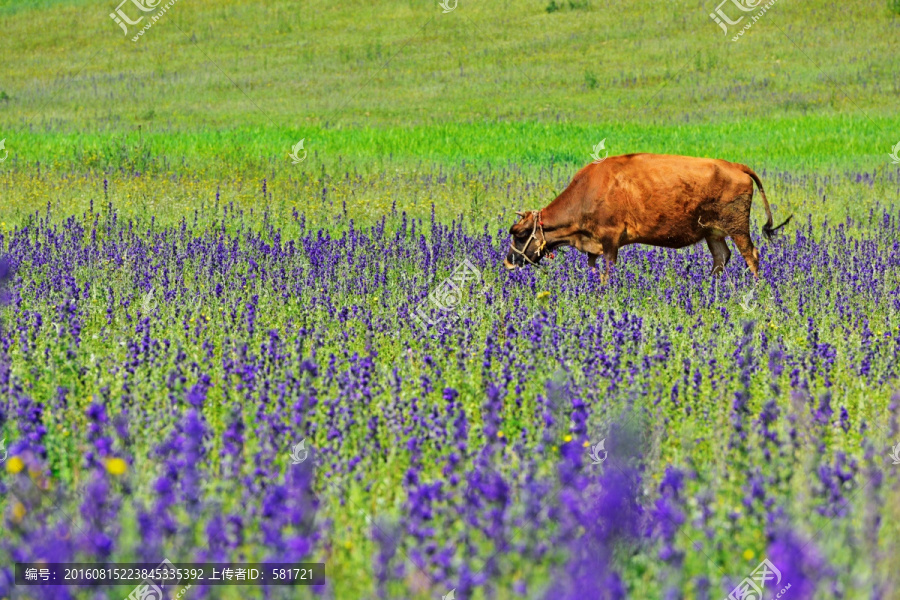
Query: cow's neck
x=557 y=231
x=562 y=229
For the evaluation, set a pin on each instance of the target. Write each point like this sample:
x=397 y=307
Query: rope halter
x=537 y=226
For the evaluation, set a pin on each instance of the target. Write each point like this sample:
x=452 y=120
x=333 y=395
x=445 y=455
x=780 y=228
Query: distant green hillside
x=219 y=85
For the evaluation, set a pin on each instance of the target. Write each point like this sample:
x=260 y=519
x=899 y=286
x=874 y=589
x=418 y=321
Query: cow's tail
x=768 y=230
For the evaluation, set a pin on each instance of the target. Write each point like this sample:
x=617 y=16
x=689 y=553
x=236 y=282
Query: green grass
x=231 y=86
x=214 y=95
x=805 y=144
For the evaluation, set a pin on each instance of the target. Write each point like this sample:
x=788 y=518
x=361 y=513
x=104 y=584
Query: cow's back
x=660 y=199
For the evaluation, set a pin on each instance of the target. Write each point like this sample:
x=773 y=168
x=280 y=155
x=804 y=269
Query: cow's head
x=528 y=243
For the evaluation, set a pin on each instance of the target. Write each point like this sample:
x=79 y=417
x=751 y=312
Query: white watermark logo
x=723 y=19
x=148 y=303
x=895 y=153
x=296 y=149
x=751 y=588
x=146 y=591
x=895 y=454
x=749 y=299
x=748 y=303
x=596 y=458
x=596 y=153
x=121 y=18
x=150 y=591
x=299 y=452
x=3 y=147
x=447 y=296
x=5 y=453
x=449 y=6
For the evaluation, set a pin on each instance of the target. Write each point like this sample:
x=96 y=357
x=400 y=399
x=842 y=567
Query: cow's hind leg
x=735 y=221
x=745 y=247
x=720 y=252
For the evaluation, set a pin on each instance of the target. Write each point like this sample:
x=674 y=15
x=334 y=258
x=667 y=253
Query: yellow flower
x=568 y=438
x=500 y=434
x=116 y=466
x=749 y=554
x=542 y=295
x=15 y=465
x=586 y=444
x=18 y=511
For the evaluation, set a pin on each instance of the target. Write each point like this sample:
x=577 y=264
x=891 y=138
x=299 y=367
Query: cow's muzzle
x=518 y=257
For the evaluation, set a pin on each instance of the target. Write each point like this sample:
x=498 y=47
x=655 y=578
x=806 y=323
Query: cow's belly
x=666 y=231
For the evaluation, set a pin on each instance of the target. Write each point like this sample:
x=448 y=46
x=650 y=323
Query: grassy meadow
x=181 y=304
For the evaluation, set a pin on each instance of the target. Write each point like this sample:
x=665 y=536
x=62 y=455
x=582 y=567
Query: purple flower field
x=387 y=400
x=256 y=317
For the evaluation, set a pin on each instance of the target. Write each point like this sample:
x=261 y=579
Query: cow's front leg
x=610 y=256
x=592 y=248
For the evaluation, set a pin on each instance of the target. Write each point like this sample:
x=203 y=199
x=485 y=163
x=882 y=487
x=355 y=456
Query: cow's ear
x=520 y=225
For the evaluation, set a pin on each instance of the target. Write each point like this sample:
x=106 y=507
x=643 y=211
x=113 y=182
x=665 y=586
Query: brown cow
x=656 y=199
